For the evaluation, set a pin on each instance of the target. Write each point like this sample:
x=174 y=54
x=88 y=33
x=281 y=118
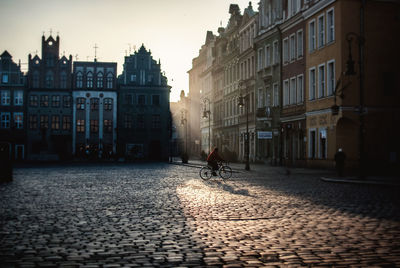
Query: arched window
x=79 y=80
x=100 y=80
x=63 y=80
x=35 y=79
x=89 y=80
x=49 y=79
x=110 y=80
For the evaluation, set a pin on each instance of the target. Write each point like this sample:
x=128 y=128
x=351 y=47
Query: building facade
x=293 y=118
x=49 y=113
x=12 y=108
x=144 y=114
x=268 y=81
x=94 y=109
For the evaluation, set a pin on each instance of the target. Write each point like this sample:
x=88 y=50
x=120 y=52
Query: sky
x=174 y=30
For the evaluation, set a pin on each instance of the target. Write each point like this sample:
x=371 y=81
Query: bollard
x=6 y=165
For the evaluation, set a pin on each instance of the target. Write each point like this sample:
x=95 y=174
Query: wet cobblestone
x=147 y=215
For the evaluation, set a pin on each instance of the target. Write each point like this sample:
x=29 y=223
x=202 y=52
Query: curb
x=355 y=181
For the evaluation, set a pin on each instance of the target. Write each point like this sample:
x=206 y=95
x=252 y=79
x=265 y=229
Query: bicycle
x=224 y=171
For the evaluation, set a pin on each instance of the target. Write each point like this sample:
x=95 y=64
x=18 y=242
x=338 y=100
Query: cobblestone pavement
x=148 y=215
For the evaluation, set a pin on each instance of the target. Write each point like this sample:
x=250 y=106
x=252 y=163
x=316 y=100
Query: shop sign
x=264 y=135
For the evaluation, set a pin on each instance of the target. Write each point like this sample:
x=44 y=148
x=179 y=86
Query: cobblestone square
x=147 y=215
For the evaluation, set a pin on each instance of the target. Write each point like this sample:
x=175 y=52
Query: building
x=49 y=111
x=12 y=107
x=351 y=68
x=144 y=118
x=94 y=110
x=293 y=118
x=269 y=81
x=247 y=32
x=200 y=93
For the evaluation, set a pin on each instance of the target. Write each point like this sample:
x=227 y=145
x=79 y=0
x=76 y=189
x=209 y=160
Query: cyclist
x=213 y=159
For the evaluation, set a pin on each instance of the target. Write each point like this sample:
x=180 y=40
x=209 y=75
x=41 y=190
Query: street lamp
x=242 y=103
x=207 y=114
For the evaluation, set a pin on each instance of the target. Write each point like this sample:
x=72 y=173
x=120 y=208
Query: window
x=260 y=63
x=80 y=103
x=285 y=92
x=292 y=93
x=44 y=121
x=140 y=121
x=141 y=100
x=66 y=125
x=321 y=31
x=44 y=101
x=33 y=100
x=50 y=59
x=312 y=144
x=107 y=125
x=321 y=81
x=94 y=104
x=276 y=95
x=300 y=44
x=108 y=104
x=5 y=97
x=35 y=79
x=99 y=80
x=79 y=80
x=110 y=81
x=128 y=99
x=330 y=25
x=63 y=80
x=311 y=34
x=330 y=77
x=155 y=121
x=49 y=79
x=4 y=78
x=300 y=88
x=267 y=56
x=55 y=101
x=5 y=120
x=285 y=50
x=261 y=101
x=94 y=126
x=133 y=77
x=292 y=47
x=128 y=121
x=156 y=100
x=55 y=122
x=67 y=101
x=322 y=143
x=275 y=51
x=293 y=6
x=89 y=80
x=19 y=120
x=32 y=121
x=80 y=125
x=18 y=97
x=311 y=84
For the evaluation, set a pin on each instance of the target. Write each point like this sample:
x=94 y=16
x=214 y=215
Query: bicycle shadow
x=222 y=185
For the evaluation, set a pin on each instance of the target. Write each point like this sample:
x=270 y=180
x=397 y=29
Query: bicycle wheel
x=225 y=172
x=205 y=173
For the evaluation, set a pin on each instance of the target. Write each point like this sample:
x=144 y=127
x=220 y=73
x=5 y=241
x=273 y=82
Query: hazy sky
x=173 y=30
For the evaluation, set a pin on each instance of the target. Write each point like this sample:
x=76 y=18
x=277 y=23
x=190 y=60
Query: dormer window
x=89 y=80
x=99 y=80
x=79 y=80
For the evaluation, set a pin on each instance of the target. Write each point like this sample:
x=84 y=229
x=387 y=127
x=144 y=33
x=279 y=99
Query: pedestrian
x=340 y=158
x=213 y=159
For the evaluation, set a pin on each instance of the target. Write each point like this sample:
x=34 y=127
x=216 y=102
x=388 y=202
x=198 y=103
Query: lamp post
x=207 y=114
x=184 y=123
x=242 y=103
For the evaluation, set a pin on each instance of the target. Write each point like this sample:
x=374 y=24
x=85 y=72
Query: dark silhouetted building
x=12 y=101
x=94 y=130
x=49 y=103
x=143 y=111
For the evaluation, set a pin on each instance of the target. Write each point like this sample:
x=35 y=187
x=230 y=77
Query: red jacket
x=214 y=156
